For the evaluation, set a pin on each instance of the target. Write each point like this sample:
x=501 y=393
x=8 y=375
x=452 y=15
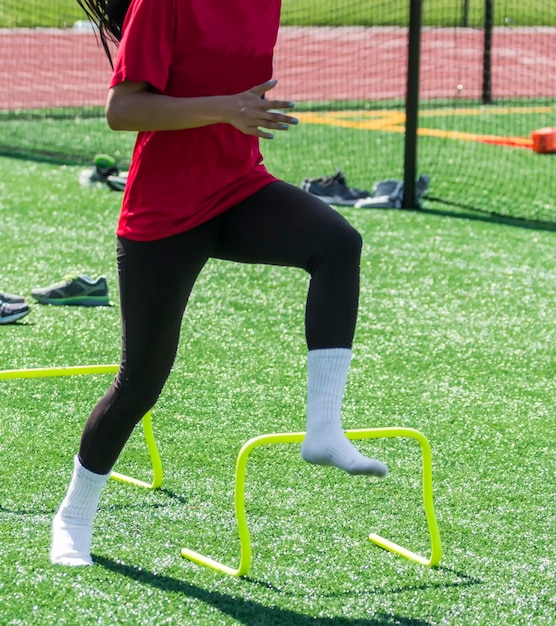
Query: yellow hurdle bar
x=87 y=370
x=280 y=438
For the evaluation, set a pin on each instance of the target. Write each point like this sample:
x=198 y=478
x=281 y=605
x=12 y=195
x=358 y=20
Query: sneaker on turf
x=117 y=182
x=78 y=290
x=388 y=194
x=104 y=166
x=334 y=189
x=12 y=311
x=11 y=298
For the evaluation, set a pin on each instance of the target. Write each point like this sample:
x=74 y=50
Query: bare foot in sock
x=71 y=542
x=325 y=448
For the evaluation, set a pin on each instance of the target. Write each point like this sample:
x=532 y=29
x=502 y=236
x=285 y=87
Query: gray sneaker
x=117 y=182
x=76 y=290
x=11 y=298
x=11 y=312
x=388 y=194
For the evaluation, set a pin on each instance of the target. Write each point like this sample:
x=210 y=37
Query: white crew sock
x=72 y=526
x=325 y=441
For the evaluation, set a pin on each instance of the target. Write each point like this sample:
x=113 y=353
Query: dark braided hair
x=108 y=16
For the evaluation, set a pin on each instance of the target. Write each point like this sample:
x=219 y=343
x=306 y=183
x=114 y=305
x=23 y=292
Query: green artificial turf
x=63 y=13
x=455 y=338
x=507 y=180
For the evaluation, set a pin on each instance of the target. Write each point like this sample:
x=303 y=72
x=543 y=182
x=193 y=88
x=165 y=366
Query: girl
x=193 y=78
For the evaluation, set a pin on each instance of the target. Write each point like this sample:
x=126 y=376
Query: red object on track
x=544 y=140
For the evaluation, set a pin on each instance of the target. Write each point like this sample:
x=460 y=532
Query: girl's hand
x=250 y=112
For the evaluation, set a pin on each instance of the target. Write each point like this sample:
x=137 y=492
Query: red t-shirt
x=190 y=48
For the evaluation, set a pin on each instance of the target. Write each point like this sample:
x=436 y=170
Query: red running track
x=51 y=68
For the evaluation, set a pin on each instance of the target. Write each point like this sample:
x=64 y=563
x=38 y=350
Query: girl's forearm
x=147 y=111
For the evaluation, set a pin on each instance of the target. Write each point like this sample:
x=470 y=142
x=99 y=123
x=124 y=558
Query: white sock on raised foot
x=325 y=442
x=72 y=526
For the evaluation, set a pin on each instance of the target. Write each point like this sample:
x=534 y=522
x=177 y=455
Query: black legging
x=279 y=225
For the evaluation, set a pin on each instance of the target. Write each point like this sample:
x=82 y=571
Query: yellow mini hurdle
x=88 y=370
x=286 y=438
x=241 y=469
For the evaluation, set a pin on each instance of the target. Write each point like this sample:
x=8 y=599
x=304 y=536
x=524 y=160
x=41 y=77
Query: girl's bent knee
x=340 y=248
x=346 y=243
x=355 y=241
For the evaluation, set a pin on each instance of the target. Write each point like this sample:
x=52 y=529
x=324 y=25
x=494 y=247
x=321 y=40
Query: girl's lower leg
x=325 y=441
x=282 y=225
x=72 y=526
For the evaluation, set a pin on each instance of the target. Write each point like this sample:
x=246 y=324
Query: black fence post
x=412 y=104
x=465 y=16
x=487 y=52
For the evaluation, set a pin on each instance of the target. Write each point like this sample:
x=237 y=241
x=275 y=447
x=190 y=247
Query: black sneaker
x=77 y=290
x=12 y=311
x=334 y=190
x=11 y=298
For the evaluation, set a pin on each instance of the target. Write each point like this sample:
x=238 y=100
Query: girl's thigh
x=283 y=225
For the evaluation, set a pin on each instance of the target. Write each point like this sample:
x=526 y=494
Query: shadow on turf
x=252 y=613
x=174 y=500
x=464 y=581
x=479 y=215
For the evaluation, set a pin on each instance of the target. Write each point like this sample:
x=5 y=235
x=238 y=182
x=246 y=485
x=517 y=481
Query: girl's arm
x=132 y=106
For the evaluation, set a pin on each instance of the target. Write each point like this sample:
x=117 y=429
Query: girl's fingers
x=261 y=89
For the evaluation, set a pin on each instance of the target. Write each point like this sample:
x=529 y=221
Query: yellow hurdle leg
x=436 y=545
x=244 y=541
x=84 y=370
x=155 y=459
x=280 y=438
